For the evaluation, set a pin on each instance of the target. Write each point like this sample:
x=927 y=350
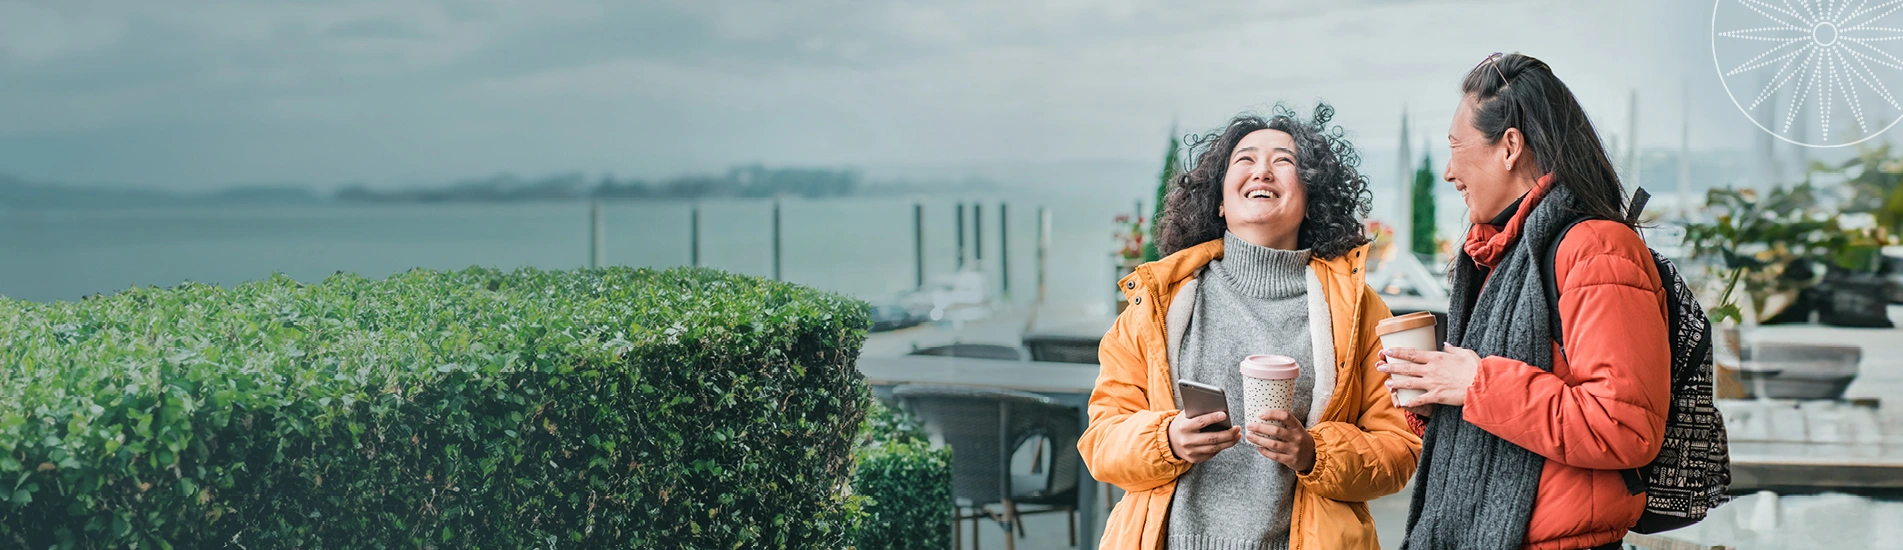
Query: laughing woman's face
x=1263 y=198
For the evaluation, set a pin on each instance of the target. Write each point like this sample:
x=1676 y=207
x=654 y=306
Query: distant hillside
x=18 y=193
x=743 y=181
x=264 y=194
x=747 y=181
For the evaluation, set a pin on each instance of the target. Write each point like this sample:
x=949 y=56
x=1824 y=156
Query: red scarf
x=1487 y=243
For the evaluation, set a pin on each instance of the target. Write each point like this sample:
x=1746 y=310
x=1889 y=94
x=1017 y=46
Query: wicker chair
x=985 y=427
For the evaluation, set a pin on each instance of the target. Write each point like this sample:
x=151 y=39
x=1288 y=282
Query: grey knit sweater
x=1253 y=300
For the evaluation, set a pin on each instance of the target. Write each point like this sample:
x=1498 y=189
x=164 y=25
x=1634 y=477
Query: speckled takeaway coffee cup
x=1268 y=382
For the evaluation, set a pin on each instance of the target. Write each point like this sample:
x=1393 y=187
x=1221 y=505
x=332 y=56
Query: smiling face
x=1263 y=198
x=1490 y=175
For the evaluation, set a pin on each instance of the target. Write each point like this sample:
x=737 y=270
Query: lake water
x=858 y=246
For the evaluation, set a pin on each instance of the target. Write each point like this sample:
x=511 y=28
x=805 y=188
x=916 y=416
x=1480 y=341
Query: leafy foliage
x=1876 y=178
x=590 y=408
x=907 y=481
x=1767 y=243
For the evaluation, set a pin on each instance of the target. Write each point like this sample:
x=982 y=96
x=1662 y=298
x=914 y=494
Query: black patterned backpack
x=1693 y=467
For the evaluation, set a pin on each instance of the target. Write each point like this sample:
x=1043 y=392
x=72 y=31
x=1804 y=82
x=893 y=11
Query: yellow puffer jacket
x=1363 y=447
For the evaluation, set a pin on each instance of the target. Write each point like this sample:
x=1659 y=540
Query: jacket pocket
x=1335 y=524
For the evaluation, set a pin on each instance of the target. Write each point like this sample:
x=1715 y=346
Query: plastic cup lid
x=1270 y=367
x=1410 y=321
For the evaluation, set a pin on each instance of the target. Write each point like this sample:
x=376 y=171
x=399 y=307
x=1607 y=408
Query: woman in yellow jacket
x=1266 y=254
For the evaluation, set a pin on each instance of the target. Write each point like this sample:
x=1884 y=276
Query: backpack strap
x=1549 y=279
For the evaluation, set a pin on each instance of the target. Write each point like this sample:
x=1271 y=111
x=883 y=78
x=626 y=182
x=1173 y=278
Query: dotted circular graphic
x=1816 y=73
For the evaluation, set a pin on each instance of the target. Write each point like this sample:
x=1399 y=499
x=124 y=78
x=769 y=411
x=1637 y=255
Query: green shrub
x=907 y=482
x=592 y=408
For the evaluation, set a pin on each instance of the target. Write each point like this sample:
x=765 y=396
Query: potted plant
x=1767 y=246
x=1781 y=255
x=1130 y=239
x=1381 y=247
x=1746 y=243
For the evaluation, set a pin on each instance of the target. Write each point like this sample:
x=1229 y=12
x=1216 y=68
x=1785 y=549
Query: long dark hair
x=1518 y=91
x=1337 y=194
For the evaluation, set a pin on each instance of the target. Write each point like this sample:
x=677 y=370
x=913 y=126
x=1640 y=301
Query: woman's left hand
x=1287 y=443
x=1445 y=375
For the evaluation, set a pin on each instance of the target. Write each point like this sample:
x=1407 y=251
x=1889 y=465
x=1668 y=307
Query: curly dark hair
x=1338 y=194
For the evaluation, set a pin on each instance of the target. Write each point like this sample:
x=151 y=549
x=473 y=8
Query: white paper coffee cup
x=1414 y=330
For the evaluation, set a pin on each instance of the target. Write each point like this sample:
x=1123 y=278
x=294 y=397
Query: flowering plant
x=1129 y=236
x=1381 y=235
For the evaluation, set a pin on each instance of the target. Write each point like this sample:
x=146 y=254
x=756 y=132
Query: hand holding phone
x=1203 y=428
x=1200 y=399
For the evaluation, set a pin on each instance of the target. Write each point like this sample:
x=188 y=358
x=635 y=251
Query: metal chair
x=985 y=427
x=1059 y=428
x=987 y=351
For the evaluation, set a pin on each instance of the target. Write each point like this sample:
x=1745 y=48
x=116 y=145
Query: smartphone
x=1200 y=399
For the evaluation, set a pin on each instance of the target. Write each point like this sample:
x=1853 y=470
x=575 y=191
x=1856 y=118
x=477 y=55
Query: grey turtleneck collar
x=1262 y=272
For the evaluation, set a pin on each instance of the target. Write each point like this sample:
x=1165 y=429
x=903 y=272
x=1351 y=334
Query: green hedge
x=595 y=408
x=907 y=484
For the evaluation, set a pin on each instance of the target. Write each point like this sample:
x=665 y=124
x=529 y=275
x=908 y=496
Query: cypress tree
x=1422 y=228
x=1150 y=253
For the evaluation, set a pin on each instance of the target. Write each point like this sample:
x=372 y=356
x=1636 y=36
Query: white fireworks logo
x=1815 y=73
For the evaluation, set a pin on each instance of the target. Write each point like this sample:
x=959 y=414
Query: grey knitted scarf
x=1473 y=489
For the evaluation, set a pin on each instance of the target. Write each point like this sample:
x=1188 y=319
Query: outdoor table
x=1067 y=383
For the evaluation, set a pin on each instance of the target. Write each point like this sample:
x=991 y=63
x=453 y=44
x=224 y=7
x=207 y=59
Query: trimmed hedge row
x=907 y=483
x=591 y=408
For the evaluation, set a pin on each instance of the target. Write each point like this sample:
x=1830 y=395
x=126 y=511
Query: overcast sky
x=193 y=95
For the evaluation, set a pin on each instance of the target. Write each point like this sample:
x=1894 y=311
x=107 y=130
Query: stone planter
x=1725 y=357
x=1746 y=368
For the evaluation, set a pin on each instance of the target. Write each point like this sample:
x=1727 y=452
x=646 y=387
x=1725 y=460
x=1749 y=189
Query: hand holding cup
x=1442 y=377
x=1279 y=436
